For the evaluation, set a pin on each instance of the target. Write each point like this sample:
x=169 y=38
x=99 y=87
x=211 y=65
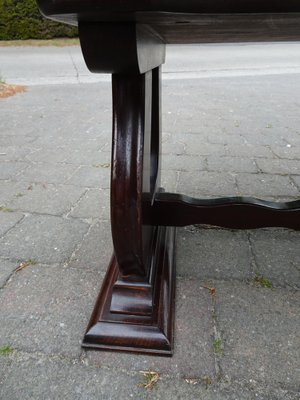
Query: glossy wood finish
x=96 y=8
x=120 y=47
x=190 y=21
x=140 y=331
x=135 y=167
x=115 y=9
x=131 y=147
x=230 y=212
x=211 y=28
x=135 y=307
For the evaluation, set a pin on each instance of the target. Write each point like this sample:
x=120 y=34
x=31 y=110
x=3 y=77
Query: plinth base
x=145 y=323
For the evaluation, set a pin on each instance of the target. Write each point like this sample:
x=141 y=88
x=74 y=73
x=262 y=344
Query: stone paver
x=98 y=159
x=8 y=219
x=259 y=329
x=71 y=380
x=231 y=164
x=92 y=177
x=49 y=155
x=45 y=308
x=265 y=185
x=47 y=198
x=199 y=147
x=201 y=184
x=48 y=173
x=9 y=169
x=231 y=136
x=94 y=204
x=277 y=256
x=9 y=189
x=281 y=167
x=296 y=180
x=183 y=162
x=248 y=150
x=43 y=238
x=95 y=250
x=169 y=180
x=15 y=140
x=213 y=253
x=172 y=144
x=222 y=135
x=13 y=152
x=6 y=269
x=291 y=152
x=63 y=155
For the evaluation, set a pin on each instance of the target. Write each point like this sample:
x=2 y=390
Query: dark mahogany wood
x=120 y=47
x=129 y=177
x=235 y=212
x=135 y=167
x=96 y=8
x=189 y=21
x=155 y=151
x=135 y=307
x=140 y=331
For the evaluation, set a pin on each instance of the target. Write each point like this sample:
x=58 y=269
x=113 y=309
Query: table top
x=189 y=21
x=99 y=7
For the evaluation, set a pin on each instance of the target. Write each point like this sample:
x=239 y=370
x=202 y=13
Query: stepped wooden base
x=145 y=323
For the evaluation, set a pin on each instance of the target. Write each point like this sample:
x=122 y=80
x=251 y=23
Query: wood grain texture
x=142 y=332
x=191 y=21
x=131 y=105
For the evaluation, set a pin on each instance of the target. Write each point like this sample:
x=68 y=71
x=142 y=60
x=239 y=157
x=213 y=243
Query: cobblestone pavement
x=222 y=136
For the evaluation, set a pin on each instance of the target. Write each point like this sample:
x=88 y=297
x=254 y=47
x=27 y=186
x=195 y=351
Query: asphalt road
x=54 y=65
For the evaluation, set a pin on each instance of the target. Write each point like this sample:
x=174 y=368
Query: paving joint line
x=12 y=227
x=246 y=282
x=14 y=272
x=65 y=182
x=73 y=206
x=74 y=66
x=294 y=184
x=79 y=245
x=37 y=355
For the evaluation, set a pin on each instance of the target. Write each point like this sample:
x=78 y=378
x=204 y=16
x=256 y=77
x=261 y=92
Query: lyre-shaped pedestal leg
x=134 y=310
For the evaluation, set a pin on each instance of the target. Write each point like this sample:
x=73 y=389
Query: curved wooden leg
x=134 y=310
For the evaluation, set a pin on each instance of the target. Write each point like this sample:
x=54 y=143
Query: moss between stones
x=6 y=350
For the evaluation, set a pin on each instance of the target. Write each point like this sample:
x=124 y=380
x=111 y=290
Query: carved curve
x=170 y=209
x=155 y=131
x=120 y=47
x=127 y=170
